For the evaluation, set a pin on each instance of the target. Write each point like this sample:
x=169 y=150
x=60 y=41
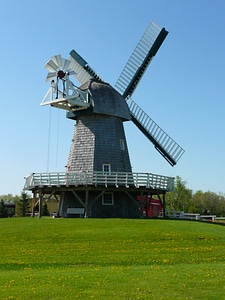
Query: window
x=107 y=199
x=106 y=168
x=122 y=144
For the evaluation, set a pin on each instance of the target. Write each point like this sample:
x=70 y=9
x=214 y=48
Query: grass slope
x=111 y=259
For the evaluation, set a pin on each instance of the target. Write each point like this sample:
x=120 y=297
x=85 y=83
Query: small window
x=122 y=144
x=107 y=199
x=106 y=168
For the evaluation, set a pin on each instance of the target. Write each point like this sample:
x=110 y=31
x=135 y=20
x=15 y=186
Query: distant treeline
x=184 y=199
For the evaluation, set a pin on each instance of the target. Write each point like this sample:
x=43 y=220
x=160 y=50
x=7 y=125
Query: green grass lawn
x=111 y=259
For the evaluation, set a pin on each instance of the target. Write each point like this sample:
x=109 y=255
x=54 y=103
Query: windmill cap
x=107 y=101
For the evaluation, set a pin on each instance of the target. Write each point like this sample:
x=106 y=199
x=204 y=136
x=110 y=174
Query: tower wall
x=123 y=206
x=81 y=155
x=98 y=140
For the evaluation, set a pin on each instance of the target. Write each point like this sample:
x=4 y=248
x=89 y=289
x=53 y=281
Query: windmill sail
x=133 y=71
x=141 y=57
x=83 y=70
x=167 y=147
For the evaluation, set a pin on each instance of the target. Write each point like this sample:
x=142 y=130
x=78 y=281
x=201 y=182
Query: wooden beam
x=78 y=198
x=97 y=197
x=60 y=205
x=164 y=206
x=86 y=204
x=56 y=198
x=33 y=202
x=132 y=198
x=40 y=203
x=52 y=194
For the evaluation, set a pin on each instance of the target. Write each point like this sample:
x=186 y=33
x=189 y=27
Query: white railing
x=174 y=214
x=192 y=216
x=116 y=179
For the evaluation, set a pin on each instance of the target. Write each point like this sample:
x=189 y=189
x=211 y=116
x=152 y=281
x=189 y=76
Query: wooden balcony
x=98 y=179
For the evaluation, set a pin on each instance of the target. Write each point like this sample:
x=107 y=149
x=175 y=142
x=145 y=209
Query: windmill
x=99 y=145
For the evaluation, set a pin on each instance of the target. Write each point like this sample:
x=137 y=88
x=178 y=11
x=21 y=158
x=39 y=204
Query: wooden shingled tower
x=99 y=141
x=99 y=181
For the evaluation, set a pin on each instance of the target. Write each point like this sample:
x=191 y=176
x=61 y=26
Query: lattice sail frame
x=128 y=80
x=140 y=59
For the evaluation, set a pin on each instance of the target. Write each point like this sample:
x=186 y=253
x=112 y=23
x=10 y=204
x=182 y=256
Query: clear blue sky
x=183 y=89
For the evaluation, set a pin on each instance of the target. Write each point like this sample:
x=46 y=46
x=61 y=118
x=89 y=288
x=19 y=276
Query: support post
x=86 y=203
x=60 y=204
x=40 y=204
x=164 y=206
x=34 y=200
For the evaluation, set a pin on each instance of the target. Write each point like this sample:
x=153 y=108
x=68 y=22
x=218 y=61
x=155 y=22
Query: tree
x=3 y=211
x=22 y=206
x=10 y=198
x=45 y=211
x=179 y=198
x=209 y=202
x=221 y=205
x=197 y=203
